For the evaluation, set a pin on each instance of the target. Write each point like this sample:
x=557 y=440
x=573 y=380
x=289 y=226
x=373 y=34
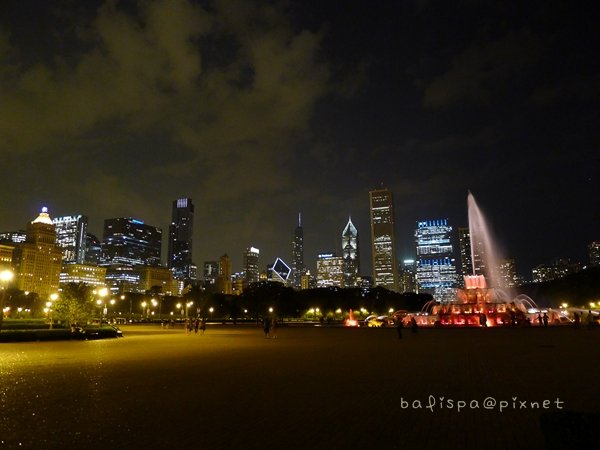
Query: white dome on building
x=44 y=217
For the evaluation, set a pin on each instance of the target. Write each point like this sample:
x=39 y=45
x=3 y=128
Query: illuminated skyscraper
x=70 y=237
x=38 y=259
x=507 y=273
x=298 y=267
x=464 y=244
x=383 y=241
x=594 y=253
x=6 y=256
x=436 y=269
x=131 y=241
x=350 y=255
x=93 y=249
x=83 y=273
x=408 y=280
x=210 y=272
x=180 y=240
x=224 y=285
x=251 y=270
x=13 y=237
x=472 y=256
x=330 y=270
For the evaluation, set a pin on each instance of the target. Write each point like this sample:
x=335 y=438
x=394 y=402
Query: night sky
x=259 y=111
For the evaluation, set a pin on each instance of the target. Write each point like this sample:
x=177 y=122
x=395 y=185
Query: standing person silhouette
x=399 y=327
x=414 y=327
x=590 y=320
x=273 y=329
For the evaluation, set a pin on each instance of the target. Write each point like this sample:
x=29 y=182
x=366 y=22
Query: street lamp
x=144 y=304
x=6 y=277
x=112 y=304
x=159 y=303
x=50 y=305
x=211 y=309
x=102 y=293
x=130 y=306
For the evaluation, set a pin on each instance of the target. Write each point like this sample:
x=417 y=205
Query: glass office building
x=436 y=266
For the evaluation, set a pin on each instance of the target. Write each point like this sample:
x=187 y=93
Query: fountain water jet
x=351 y=321
x=484 y=255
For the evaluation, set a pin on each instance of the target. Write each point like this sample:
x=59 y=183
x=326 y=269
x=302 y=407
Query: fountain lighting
x=482 y=302
x=351 y=321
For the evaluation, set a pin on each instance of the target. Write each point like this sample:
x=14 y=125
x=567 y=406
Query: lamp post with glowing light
x=6 y=277
x=112 y=304
x=50 y=306
x=130 y=305
x=153 y=302
x=102 y=293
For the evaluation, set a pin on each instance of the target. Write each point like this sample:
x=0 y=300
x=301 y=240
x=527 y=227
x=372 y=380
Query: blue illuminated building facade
x=436 y=265
x=131 y=242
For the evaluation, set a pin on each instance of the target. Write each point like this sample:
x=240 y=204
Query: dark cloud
x=260 y=110
x=483 y=71
x=144 y=73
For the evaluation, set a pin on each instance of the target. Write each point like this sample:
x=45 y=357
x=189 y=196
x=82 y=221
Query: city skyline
x=311 y=263
x=260 y=111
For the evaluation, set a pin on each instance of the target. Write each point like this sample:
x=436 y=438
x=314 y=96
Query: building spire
x=299 y=219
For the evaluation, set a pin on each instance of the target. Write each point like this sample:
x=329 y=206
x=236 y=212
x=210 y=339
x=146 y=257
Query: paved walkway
x=310 y=388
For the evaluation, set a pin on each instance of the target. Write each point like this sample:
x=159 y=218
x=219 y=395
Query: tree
x=75 y=304
x=201 y=298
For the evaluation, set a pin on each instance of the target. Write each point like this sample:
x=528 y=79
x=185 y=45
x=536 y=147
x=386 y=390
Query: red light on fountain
x=475 y=282
x=351 y=321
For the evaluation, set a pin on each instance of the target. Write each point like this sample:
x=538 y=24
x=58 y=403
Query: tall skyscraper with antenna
x=298 y=267
x=181 y=231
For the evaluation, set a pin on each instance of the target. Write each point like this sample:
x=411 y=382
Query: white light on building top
x=44 y=217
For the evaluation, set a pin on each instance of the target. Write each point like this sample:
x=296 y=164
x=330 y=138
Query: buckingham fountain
x=482 y=302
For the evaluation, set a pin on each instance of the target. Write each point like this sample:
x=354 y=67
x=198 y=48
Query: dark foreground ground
x=310 y=388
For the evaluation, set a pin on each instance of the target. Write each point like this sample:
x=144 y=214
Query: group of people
x=195 y=325
x=414 y=326
x=577 y=318
x=542 y=320
x=270 y=327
